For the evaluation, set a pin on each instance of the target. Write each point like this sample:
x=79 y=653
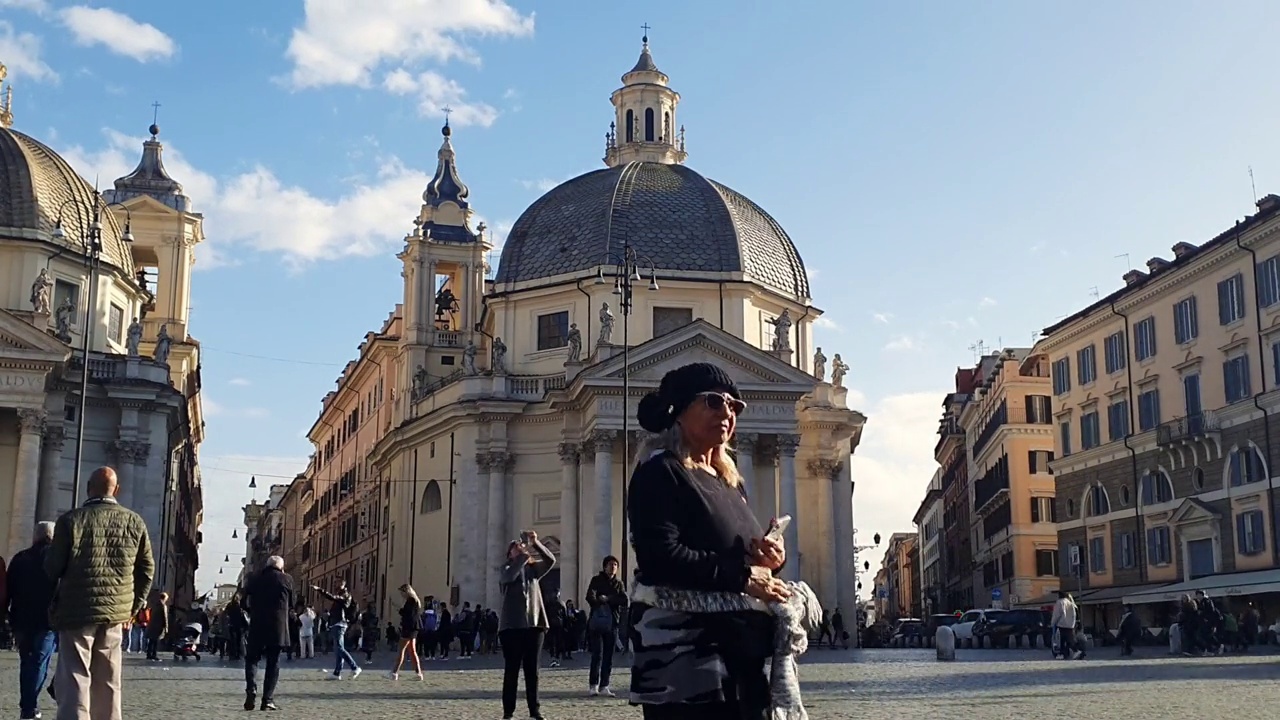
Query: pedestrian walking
x=1064 y=624
x=101 y=560
x=157 y=622
x=268 y=597
x=409 y=613
x=342 y=612
x=605 y=597
x=30 y=591
x=306 y=632
x=523 y=623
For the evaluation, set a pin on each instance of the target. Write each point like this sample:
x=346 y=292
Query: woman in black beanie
x=697 y=546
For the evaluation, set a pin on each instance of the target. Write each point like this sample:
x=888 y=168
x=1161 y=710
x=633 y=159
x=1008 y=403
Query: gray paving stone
x=839 y=685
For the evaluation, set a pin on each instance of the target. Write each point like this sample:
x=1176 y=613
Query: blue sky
x=950 y=175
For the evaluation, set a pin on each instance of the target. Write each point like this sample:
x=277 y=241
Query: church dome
x=38 y=185
x=681 y=221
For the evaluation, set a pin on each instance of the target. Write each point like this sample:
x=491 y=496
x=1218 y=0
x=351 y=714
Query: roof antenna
x=1254 y=185
x=1093 y=292
x=1127 y=261
x=978 y=349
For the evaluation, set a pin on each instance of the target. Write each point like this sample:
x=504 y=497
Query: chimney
x=1268 y=203
x=1156 y=264
x=1134 y=276
x=1183 y=248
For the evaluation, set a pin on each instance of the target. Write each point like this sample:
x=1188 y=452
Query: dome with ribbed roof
x=39 y=188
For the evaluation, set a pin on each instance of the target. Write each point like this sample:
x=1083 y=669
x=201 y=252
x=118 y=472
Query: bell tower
x=644 y=128
x=444 y=270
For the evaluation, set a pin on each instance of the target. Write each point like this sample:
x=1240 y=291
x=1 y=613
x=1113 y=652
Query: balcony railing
x=997 y=421
x=1191 y=427
x=447 y=338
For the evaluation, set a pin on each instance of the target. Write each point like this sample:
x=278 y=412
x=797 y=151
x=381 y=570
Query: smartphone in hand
x=778 y=526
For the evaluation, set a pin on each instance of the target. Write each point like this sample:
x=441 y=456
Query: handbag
x=601 y=619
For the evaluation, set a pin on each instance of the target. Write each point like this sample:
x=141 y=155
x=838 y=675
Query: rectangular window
x=1250 y=536
x=768 y=331
x=1097 y=555
x=1235 y=376
x=1062 y=376
x=1186 y=326
x=1038 y=409
x=553 y=330
x=1158 y=549
x=1148 y=409
x=1038 y=461
x=1117 y=420
x=1144 y=339
x=666 y=319
x=1090 y=433
x=1042 y=510
x=1269 y=281
x=1275 y=363
x=1087 y=364
x=1064 y=437
x=1125 y=557
x=1114 y=347
x=1231 y=299
x=1047 y=563
x=115 y=324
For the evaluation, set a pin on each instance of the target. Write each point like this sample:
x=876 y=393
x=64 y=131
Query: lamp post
x=91 y=238
x=627 y=266
x=866 y=566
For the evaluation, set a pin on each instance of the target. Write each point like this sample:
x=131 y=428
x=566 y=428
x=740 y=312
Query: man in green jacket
x=101 y=560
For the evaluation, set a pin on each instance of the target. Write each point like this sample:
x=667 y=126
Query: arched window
x=631 y=126
x=1156 y=488
x=1096 y=502
x=648 y=125
x=431 y=501
x=1245 y=466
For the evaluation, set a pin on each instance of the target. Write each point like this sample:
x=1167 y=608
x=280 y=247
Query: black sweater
x=690 y=530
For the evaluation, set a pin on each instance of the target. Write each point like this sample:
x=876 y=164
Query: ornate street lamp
x=626 y=272
x=866 y=566
x=91 y=239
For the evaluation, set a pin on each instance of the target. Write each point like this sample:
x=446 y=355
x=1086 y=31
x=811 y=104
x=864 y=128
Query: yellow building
x=1164 y=404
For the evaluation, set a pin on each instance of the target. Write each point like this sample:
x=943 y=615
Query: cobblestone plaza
x=867 y=685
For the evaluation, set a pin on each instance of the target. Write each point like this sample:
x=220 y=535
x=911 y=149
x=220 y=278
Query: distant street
x=867 y=685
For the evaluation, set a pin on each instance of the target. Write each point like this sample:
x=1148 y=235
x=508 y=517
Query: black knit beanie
x=659 y=410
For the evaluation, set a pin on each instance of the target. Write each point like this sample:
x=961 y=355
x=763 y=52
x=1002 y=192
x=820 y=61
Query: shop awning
x=1227 y=585
x=1108 y=595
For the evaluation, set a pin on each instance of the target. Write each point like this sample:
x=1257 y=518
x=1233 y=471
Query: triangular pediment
x=1192 y=510
x=20 y=340
x=701 y=341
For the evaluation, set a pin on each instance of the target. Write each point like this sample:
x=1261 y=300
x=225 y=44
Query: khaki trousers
x=87 y=680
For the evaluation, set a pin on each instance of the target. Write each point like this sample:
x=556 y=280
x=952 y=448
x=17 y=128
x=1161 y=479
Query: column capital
x=826 y=468
x=501 y=460
x=55 y=436
x=482 y=460
x=133 y=452
x=601 y=440
x=746 y=443
x=788 y=444
x=31 y=420
x=568 y=452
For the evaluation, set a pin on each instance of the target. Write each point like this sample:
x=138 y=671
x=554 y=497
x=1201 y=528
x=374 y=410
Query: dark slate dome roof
x=681 y=220
x=36 y=184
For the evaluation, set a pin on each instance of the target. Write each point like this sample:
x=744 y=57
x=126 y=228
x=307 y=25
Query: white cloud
x=213 y=409
x=896 y=452
x=256 y=210
x=902 y=343
x=541 y=184
x=987 y=302
x=20 y=52
x=951 y=324
x=36 y=6
x=118 y=32
x=436 y=92
x=239 y=382
x=882 y=318
x=256 y=412
x=826 y=323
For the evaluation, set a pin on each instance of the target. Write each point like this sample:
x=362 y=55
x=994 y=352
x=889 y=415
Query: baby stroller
x=188 y=644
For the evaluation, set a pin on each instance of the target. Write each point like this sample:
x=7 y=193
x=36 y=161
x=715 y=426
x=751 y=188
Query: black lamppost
x=866 y=566
x=626 y=273
x=91 y=238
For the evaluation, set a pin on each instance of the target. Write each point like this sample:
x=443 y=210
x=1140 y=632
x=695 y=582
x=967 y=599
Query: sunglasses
x=719 y=401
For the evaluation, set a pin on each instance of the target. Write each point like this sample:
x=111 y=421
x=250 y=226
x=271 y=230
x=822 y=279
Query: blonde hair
x=672 y=440
x=408 y=590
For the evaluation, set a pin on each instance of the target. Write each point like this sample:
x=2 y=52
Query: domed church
x=519 y=392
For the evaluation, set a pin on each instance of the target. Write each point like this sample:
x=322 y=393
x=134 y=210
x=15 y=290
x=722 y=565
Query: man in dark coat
x=30 y=592
x=268 y=597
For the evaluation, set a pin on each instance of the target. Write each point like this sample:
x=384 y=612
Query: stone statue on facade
x=838 y=371
x=420 y=378
x=163 y=344
x=782 y=332
x=499 y=357
x=575 y=343
x=62 y=319
x=134 y=338
x=469 y=358
x=820 y=365
x=606 y=324
x=41 y=290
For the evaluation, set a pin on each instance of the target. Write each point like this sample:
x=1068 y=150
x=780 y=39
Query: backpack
x=430 y=621
x=601 y=619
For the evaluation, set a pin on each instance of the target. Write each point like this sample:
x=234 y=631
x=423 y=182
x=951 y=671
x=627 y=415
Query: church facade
x=141 y=397
x=510 y=394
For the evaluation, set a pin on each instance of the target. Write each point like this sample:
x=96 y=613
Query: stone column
x=746 y=445
x=825 y=471
x=765 y=499
x=499 y=535
x=568 y=560
x=845 y=558
x=479 y=564
x=789 y=501
x=26 y=480
x=602 y=544
x=55 y=437
x=130 y=455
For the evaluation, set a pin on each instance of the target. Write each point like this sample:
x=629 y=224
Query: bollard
x=945 y=641
x=1175 y=639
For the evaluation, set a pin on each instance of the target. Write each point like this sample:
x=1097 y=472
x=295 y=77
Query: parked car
x=964 y=626
x=908 y=633
x=997 y=629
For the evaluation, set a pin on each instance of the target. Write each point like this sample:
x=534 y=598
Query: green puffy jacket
x=101 y=558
